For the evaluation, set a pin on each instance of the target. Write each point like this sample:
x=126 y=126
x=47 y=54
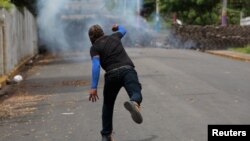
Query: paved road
x=183 y=91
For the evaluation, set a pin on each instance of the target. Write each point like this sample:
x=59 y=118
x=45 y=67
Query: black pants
x=125 y=77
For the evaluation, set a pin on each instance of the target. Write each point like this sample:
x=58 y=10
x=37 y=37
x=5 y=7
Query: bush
x=245 y=49
x=6 y=4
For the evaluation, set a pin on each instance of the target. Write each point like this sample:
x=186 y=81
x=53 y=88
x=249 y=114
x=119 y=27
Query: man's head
x=95 y=32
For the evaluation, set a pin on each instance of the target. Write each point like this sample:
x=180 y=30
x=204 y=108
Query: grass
x=6 y=4
x=245 y=49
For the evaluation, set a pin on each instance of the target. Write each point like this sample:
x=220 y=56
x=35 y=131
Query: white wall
x=18 y=38
x=245 y=21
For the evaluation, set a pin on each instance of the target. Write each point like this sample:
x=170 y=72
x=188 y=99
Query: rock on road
x=183 y=92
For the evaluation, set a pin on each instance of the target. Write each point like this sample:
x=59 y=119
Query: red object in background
x=174 y=18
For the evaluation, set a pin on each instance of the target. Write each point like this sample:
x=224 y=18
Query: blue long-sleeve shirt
x=95 y=72
x=122 y=30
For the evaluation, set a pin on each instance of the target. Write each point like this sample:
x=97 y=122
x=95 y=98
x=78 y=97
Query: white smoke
x=63 y=24
x=51 y=30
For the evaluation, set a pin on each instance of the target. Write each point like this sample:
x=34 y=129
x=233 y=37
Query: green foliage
x=201 y=12
x=199 y=2
x=242 y=50
x=235 y=7
x=240 y=5
x=5 y=4
x=198 y=12
x=233 y=16
x=148 y=8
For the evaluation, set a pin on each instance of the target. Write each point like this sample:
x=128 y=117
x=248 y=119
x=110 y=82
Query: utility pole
x=157 y=18
x=124 y=7
x=138 y=10
x=224 y=13
x=138 y=6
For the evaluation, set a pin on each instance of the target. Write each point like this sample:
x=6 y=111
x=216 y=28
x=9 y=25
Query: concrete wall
x=1 y=48
x=18 y=39
x=245 y=21
x=211 y=37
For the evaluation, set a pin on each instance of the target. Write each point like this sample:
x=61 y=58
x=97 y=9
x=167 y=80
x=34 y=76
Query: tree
x=5 y=4
x=148 y=8
x=30 y=4
x=240 y=5
x=200 y=12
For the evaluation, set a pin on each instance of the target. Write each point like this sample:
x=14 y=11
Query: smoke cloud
x=63 y=24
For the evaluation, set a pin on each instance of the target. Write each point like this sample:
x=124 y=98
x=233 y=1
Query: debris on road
x=18 y=78
x=19 y=105
x=68 y=113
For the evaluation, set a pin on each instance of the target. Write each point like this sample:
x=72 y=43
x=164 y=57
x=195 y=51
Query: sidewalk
x=230 y=54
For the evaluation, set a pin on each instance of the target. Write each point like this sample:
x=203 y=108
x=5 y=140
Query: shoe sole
x=136 y=115
x=108 y=139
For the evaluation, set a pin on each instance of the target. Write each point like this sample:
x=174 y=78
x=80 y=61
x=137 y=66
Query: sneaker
x=107 y=138
x=134 y=110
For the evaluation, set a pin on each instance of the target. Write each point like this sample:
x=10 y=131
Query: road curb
x=235 y=56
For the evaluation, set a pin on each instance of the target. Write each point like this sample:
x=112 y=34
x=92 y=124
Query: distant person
x=107 y=51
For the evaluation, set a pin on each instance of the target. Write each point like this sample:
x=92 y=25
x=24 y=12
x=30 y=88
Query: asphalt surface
x=183 y=92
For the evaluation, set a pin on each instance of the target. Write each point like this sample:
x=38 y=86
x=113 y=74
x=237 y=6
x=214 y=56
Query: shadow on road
x=153 y=137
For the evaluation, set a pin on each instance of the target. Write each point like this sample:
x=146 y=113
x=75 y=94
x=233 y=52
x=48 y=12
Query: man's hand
x=93 y=96
x=115 y=27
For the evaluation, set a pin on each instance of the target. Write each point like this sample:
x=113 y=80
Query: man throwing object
x=108 y=52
